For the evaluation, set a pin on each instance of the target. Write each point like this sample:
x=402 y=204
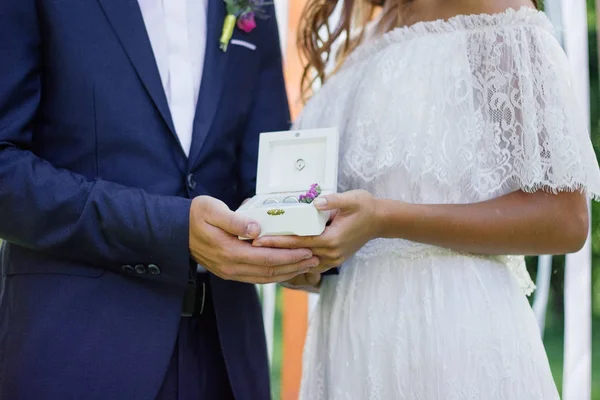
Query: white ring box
x=288 y=164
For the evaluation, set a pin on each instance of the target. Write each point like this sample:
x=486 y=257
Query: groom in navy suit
x=121 y=124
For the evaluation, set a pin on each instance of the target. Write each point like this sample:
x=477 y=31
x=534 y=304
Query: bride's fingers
x=320 y=269
x=264 y=280
x=312 y=279
x=330 y=238
x=288 y=242
x=337 y=201
x=327 y=253
x=332 y=215
x=308 y=281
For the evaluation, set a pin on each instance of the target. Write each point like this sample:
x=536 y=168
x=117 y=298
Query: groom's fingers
x=270 y=258
x=272 y=274
x=223 y=251
x=263 y=280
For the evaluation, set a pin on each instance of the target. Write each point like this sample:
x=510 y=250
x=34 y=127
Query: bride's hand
x=355 y=223
x=308 y=282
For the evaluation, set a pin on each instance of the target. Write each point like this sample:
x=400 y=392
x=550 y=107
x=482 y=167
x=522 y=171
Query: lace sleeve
x=534 y=125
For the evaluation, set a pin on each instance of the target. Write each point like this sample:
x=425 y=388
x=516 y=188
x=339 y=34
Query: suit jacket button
x=191 y=181
x=153 y=269
x=140 y=269
x=127 y=269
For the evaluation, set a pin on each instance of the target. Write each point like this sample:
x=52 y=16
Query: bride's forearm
x=517 y=223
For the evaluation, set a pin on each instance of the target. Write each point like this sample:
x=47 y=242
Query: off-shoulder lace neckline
x=464 y=22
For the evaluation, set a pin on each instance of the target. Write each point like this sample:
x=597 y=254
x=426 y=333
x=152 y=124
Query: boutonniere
x=241 y=13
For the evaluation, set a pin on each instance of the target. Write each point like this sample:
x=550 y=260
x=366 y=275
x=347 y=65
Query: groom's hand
x=214 y=244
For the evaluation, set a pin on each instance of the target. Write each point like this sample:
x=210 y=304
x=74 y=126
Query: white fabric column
x=577 y=350
x=544 y=273
x=313 y=299
x=553 y=9
x=269 y=296
x=540 y=303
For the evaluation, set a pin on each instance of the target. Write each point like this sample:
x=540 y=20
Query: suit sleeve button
x=153 y=269
x=191 y=181
x=140 y=269
x=127 y=269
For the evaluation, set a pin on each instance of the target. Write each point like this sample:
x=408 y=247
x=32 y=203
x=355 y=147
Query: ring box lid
x=291 y=161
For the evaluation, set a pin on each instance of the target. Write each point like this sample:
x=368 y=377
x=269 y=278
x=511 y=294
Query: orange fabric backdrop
x=293 y=65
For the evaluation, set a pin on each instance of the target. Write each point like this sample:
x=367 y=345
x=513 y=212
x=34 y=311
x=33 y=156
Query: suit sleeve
x=60 y=213
x=270 y=109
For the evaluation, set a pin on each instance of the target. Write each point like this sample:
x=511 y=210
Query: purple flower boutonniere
x=241 y=13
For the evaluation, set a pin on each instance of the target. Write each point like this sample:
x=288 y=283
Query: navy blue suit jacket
x=93 y=180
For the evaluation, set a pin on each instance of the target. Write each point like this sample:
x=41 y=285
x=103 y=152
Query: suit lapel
x=213 y=76
x=126 y=20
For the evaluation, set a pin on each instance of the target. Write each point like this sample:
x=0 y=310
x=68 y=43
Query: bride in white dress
x=461 y=143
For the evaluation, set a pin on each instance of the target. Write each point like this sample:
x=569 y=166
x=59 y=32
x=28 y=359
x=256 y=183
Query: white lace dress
x=444 y=112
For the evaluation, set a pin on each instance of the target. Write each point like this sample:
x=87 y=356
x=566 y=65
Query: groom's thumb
x=238 y=225
x=216 y=213
x=242 y=226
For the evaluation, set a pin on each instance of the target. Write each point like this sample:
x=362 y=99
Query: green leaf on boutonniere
x=241 y=12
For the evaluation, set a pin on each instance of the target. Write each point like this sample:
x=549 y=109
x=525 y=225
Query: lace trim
x=523 y=16
x=412 y=250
